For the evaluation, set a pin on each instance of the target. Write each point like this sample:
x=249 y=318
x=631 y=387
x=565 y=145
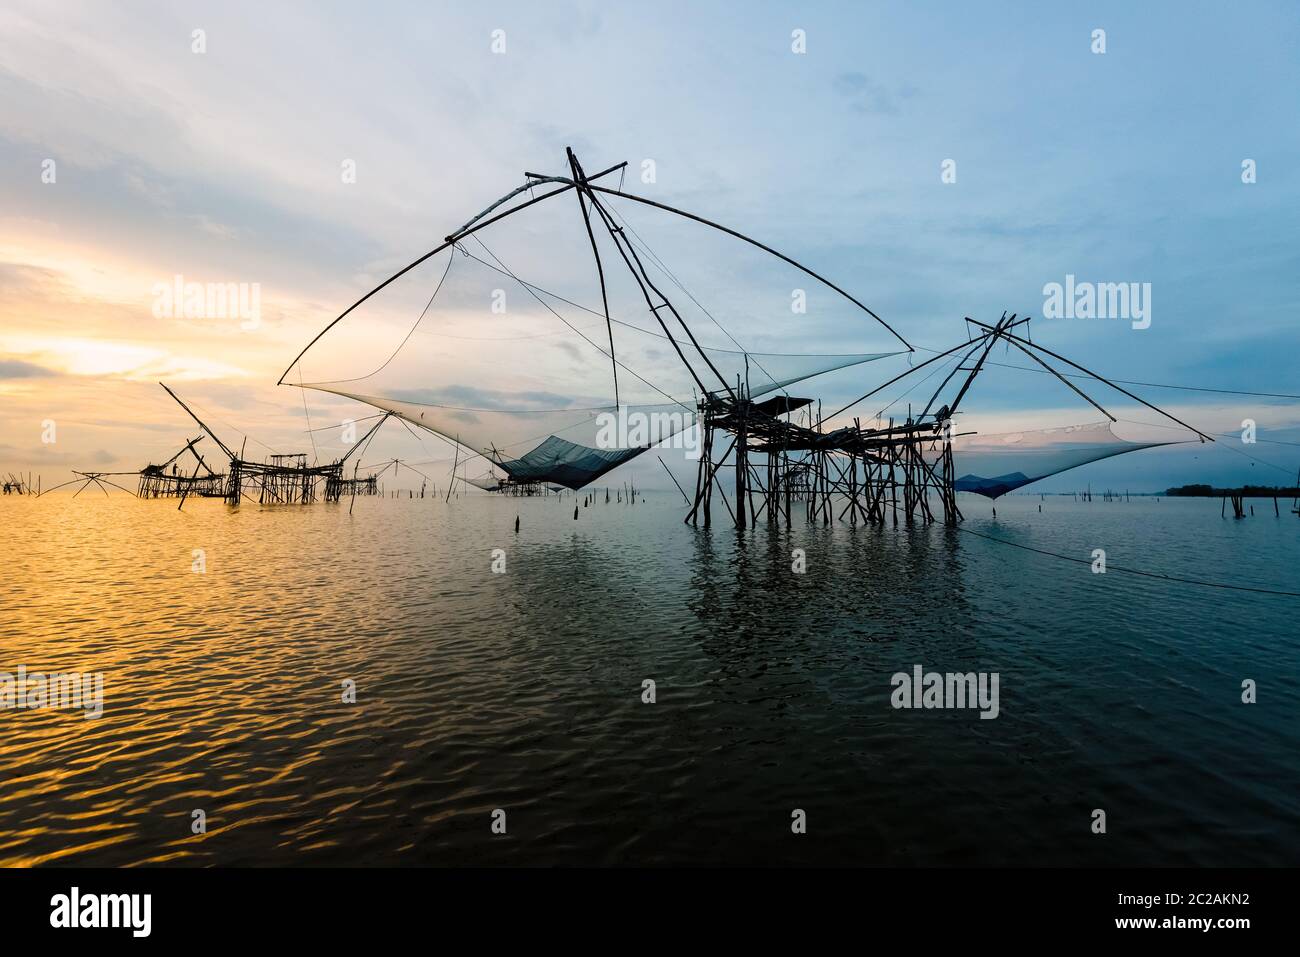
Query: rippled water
x=522 y=690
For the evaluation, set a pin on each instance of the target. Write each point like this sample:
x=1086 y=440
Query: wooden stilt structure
x=283 y=479
x=898 y=473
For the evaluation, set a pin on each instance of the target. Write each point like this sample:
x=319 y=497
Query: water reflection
x=523 y=690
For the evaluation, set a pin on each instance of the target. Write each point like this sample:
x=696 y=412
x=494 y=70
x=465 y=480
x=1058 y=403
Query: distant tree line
x=1247 y=491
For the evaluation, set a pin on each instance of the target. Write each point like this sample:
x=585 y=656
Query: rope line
x=1133 y=571
x=1149 y=385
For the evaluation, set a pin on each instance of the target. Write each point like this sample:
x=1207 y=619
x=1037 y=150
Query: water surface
x=522 y=691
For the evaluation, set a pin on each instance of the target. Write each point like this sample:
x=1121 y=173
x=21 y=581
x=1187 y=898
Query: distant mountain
x=1248 y=491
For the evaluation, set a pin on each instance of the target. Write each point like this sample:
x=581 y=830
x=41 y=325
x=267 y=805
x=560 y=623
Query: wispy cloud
x=865 y=95
x=171 y=162
x=17 y=369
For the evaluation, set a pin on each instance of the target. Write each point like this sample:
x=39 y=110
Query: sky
x=128 y=157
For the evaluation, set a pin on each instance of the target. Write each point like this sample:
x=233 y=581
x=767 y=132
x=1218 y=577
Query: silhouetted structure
x=157 y=482
x=285 y=479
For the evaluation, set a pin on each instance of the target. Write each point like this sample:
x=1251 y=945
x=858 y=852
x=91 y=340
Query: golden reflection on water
x=223 y=689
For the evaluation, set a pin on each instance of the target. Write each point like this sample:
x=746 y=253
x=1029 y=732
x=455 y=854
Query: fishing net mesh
x=501 y=344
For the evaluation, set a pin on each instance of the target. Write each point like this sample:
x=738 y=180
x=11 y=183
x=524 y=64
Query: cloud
x=17 y=369
x=214 y=228
x=865 y=95
x=473 y=398
x=171 y=163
